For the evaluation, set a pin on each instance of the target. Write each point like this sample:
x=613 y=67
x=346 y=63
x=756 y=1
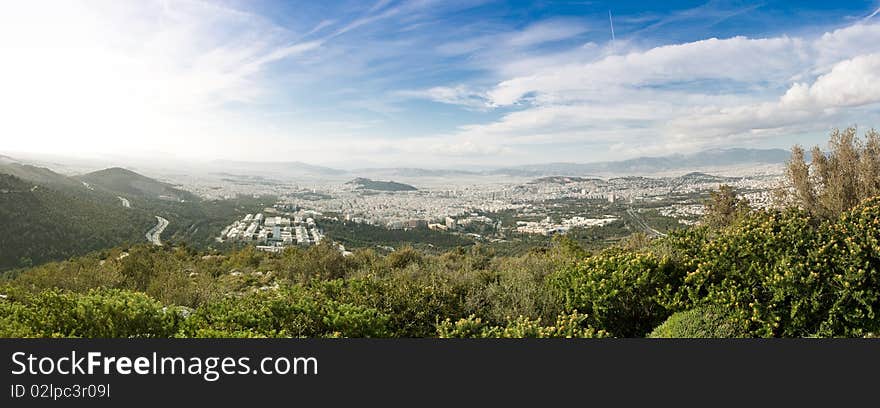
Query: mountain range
x=648 y=165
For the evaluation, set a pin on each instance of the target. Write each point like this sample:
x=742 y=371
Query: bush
x=294 y=312
x=105 y=313
x=760 y=271
x=566 y=326
x=624 y=293
x=701 y=322
x=847 y=270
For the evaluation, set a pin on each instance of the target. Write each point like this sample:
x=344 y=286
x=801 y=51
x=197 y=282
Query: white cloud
x=736 y=59
x=850 y=83
x=455 y=95
x=688 y=96
x=546 y=31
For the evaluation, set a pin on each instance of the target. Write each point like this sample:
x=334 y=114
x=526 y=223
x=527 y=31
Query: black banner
x=415 y=372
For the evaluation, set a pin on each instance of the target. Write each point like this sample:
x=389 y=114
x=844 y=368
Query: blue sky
x=433 y=83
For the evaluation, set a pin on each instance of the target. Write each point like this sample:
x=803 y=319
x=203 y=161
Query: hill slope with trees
x=39 y=223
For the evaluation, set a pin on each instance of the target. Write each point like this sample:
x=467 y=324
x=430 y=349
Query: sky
x=431 y=83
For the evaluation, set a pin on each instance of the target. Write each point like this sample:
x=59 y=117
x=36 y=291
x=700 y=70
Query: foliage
x=567 y=326
x=723 y=207
x=773 y=273
x=94 y=314
x=39 y=223
x=700 y=322
x=624 y=293
x=836 y=181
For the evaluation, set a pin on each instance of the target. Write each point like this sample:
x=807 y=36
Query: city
x=274 y=232
x=492 y=208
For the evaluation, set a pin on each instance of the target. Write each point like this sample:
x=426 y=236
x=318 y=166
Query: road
x=639 y=221
x=154 y=234
x=125 y=202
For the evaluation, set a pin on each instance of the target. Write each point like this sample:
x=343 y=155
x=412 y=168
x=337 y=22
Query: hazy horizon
x=429 y=84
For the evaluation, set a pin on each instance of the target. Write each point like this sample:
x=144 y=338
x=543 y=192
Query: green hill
x=39 y=175
x=367 y=184
x=39 y=223
x=130 y=184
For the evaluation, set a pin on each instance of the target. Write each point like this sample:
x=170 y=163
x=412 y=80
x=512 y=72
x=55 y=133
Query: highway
x=154 y=234
x=650 y=231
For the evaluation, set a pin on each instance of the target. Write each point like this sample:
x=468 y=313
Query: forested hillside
x=46 y=216
x=39 y=223
x=133 y=185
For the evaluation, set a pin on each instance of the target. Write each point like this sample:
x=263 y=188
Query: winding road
x=153 y=235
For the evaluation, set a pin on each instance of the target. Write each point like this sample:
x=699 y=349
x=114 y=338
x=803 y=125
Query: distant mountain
x=367 y=184
x=698 y=177
x=128 y=183
x=413 y=172
x=41 y=223
x=564 y=180
x=34 y=174
x=646 y=165
x=293 y=168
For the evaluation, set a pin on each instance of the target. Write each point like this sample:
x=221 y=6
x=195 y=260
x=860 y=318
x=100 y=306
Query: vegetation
x=774 y=273
x=41 y=223
x=131 y=184
x=791 y=271
x=700 y=322
x=46 y=216
x=724 y=207
x=835 y=181
x=359 y=235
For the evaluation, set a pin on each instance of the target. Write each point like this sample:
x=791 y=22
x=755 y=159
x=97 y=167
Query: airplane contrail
x=612 y=23
x=872 y=15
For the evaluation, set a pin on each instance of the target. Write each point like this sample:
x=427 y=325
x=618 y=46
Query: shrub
x=294 y=312
x=701 y=322
x=567 y=326
x=624 y=293
x=104 y=313
x=847 y=267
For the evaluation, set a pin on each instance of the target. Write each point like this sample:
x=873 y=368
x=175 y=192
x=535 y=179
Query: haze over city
x=431 y=83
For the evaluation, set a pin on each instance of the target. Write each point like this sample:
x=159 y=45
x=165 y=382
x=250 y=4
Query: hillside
x=130 y=184
x=39 y=223
x=367 y=184
x=35 y=174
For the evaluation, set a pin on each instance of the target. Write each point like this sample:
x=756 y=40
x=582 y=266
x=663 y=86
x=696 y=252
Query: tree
x=724 y=207
x=835 y=181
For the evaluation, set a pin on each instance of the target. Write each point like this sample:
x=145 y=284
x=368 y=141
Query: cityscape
x=491 y=208
x=273 y=233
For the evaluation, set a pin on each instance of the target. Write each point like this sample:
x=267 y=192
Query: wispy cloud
x=420 y=79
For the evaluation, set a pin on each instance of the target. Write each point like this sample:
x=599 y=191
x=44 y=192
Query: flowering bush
x=567 y=326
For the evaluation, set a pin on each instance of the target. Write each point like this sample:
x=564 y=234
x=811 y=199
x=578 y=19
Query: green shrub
x=624 y=293
x=701 y=322
x=566 y=326
x=104 y=313
x=297 y=311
